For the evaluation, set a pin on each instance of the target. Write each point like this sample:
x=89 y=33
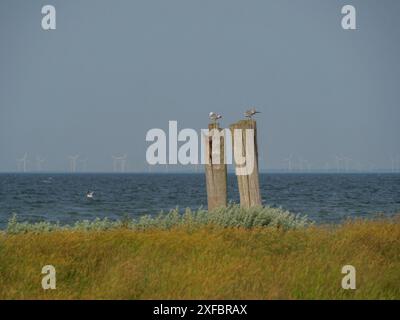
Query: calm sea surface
x=325 y=198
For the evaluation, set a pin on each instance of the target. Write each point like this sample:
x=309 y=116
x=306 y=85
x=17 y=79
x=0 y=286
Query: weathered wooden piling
x=248 y=181
x=215 y=172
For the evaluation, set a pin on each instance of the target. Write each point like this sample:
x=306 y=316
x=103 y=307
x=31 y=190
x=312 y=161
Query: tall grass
x=208 y=262
x=262 y=253
x=232 y=216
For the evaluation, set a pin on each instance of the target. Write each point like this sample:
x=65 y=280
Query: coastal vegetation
x=202 y=256
x=232 y=216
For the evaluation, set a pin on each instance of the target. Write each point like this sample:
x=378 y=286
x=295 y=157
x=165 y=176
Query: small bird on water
x=250 y=113
x=214 y=116
x=90 y=194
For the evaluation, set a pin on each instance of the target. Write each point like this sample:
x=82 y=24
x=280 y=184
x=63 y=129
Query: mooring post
x=247 y=169
x=215 y=167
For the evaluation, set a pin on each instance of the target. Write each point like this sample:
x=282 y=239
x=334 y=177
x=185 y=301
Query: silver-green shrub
x=232 y=216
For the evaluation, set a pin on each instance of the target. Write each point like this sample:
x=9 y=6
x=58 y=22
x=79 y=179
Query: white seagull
x=90 y=194
x=214 y=116
x=250 y=113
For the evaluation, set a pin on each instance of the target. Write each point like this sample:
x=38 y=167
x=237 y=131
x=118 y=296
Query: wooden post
x=215 y=172
x=248 y=184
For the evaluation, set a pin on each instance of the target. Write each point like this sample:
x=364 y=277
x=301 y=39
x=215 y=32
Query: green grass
x=203 y=261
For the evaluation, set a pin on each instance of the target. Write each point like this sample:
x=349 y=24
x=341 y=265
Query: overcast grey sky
x=115 y=69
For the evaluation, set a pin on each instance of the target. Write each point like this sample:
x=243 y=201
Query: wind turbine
x=346 y=163
x=397 y=167
x=123 y=162
x=115 y=159
x=308 y=165
x=395 y=163
x=72 y=162
x=300 y=162
x=359 y=166
x=289 y=161
x=39 y=163
x=304 y=164
x=21 y=163
x=84 y=164
x=119 y=162
x=338 y=162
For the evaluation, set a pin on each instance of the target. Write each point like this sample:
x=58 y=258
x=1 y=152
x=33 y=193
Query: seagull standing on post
x=214 y=116
x=250 y=113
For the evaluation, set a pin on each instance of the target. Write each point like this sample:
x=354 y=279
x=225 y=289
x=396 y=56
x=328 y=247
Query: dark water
x=324 y=198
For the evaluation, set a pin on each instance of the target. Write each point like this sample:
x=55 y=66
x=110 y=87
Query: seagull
x=214 y=116
x=90 y=194
x=250 y=113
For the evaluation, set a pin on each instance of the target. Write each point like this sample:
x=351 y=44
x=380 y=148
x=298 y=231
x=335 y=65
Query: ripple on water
x=324 y=198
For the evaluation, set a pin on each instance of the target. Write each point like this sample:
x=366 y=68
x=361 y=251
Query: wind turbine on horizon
x=21 y=163
x=304 y=164
x=308 y=165
x=39 y=163
x=72 y=162
x=398 y=163
x=84 y=164
x=347 y=162
x=395 y=163
x=338 y=160
x=289 y=162
x=119 y=163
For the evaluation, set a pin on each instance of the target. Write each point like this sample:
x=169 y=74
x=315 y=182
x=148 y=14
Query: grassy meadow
x=204 y=261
